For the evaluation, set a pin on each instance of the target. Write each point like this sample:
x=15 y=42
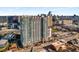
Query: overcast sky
x=38 y=10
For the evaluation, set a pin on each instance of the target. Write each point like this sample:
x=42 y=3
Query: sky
x=39 y=10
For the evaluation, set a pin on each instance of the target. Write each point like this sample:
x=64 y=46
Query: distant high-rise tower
x=50 y=22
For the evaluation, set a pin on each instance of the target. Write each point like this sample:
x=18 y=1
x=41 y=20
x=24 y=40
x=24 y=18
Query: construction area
x=41 y=33
x=64 y=42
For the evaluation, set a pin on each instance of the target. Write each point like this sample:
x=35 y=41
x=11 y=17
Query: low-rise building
x=67 y=22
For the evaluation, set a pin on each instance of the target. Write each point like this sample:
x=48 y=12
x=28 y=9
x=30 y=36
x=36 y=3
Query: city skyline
x=38 y=10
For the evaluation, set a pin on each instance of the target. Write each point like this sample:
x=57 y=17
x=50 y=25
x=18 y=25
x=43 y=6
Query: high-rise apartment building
x=44 y=27
x=34 y=29
x=50 y=23
x=50 y=20
x=3 y=20
x=13 y=22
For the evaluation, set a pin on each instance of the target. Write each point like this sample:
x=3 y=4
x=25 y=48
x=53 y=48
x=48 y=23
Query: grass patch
x=54 y=30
